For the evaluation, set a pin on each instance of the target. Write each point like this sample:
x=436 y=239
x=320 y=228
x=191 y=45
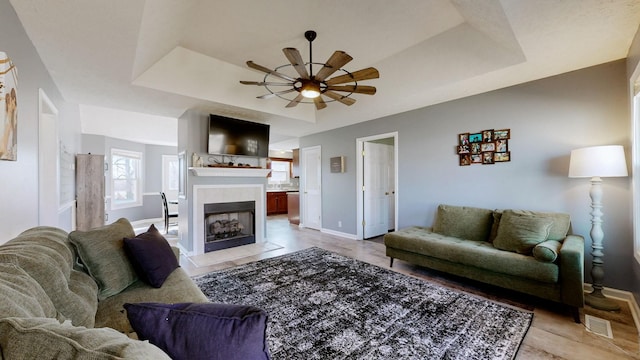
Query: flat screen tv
x=229 y=136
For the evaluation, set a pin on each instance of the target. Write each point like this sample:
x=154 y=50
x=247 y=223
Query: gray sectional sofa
x=526 y=251
x=52 y=308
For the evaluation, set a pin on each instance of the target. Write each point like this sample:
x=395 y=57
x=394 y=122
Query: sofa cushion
x=547 y=251
x=102 y=252
x=41 y=338
x=463 y=222
x=202 y=331
x=521 y=232
x=22 y=296
x=177 y=288
x=45 y=254
x=560 y=222
x=51 y=232
x=479 y=254
x=151 y=256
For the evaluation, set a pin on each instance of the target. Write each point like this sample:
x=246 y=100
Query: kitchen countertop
x=283 y=190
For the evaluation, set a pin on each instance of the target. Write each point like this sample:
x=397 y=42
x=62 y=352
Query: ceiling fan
x=314 y=86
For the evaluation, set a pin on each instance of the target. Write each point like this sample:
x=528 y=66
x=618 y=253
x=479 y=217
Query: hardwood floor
x=553 y=333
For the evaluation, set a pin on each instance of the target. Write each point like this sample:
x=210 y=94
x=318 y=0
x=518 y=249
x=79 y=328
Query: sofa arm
x=572 y=270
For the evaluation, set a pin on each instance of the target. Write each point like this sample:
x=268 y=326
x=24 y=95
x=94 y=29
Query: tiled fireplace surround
x=219 y=190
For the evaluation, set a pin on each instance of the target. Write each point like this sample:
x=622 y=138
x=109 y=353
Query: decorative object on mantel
x=229 y=171
x=596 y=162
x=232 y=165
x=8 y=109
x=196 y=160
x=485 y=147
x=310 y=86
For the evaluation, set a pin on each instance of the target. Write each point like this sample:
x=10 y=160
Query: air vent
x=598 y=326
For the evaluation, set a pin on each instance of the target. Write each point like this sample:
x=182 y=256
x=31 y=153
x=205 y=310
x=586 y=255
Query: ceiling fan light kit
x=314 y=87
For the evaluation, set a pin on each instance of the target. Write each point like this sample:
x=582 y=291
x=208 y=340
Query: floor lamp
x=597 y=162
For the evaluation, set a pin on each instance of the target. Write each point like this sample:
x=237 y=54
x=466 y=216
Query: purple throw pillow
x=202 y=330
x=151 y=256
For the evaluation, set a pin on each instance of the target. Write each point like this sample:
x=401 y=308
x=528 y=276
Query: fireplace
x=194 y=236
x=229 y=224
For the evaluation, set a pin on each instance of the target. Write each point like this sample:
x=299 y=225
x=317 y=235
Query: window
x=126 y=179
x=280 y=171
x=170 y=173
x=170 y=176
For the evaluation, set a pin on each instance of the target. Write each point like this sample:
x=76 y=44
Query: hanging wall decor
x=8 y=109
x=485 y=147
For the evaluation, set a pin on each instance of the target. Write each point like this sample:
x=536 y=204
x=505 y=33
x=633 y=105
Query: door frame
x=360 y=181
x=48 y=120
x=302 y=185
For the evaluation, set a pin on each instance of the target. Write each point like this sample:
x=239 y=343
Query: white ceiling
x=162 y=57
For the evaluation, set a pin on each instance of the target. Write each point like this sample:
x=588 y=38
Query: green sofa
x=52 y=308
x=526 y=251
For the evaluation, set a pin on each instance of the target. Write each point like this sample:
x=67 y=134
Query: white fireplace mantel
x=229 y=171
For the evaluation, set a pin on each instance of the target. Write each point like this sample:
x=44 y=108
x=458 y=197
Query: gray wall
x=548 y=118
x=152 y=174
x=19 y=183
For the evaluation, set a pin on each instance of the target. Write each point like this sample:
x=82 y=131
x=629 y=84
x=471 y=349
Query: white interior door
x=312 y=187
x=391 y=187
x=376 y=189
x=48 y=163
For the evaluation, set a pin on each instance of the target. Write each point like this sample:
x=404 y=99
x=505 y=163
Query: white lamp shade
x=602 y=161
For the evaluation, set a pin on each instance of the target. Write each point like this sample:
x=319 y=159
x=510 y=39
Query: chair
x=166 y=213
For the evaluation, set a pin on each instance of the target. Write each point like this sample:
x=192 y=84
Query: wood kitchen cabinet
x=276 y=202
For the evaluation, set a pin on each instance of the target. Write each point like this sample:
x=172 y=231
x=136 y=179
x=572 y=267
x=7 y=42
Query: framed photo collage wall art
x=485 y=147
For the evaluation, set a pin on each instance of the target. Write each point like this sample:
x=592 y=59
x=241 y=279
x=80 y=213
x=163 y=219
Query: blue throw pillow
x=202 y=331
x=151 y=256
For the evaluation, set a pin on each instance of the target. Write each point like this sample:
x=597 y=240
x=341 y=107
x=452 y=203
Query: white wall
x=548 y=118
x=19 y=179
x=633 y=61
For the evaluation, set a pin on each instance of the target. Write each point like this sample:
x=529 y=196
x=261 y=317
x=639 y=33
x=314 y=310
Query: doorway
x=48 y=162
x=376 y=187
x=311 y=187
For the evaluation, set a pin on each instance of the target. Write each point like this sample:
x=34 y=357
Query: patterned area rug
x=323 y=305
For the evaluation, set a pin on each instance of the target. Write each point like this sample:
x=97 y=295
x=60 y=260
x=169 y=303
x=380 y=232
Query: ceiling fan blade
x=343 y=99
x=255 y=66
x=270 y=95
x=364 y=74
x=295 y=101
x=294 y=57
x=262 y=83
x=335 y=62
x=358 y=89
x=320 y=104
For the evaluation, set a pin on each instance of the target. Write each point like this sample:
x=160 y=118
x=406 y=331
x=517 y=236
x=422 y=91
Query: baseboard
x=184 y=251
x=340 y=234
x=623 y=296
